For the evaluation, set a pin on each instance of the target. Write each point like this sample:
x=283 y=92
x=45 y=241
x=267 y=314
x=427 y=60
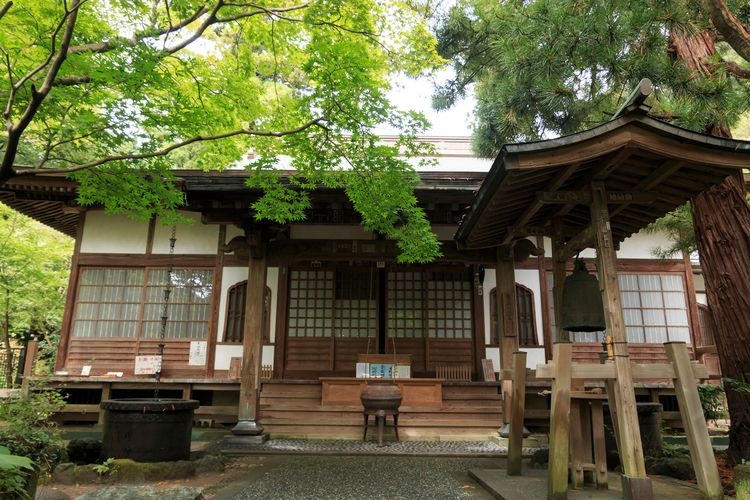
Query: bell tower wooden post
x=507 y=321
x=252 y=341
x=636 y=485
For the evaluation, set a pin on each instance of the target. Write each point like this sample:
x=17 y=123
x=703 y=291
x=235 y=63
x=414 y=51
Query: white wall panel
x=195 y=238
x=104 y=233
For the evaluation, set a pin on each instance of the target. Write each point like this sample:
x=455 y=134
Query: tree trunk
x=722 y=231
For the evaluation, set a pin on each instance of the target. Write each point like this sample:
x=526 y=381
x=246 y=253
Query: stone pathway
x=327 y=477
x=354 y=447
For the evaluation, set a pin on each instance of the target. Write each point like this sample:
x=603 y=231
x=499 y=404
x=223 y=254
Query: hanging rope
x=165 y=309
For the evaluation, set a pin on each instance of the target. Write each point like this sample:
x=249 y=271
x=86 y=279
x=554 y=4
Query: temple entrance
x=338 y=311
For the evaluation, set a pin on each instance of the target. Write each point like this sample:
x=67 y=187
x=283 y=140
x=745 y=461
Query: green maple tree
x=118 y=93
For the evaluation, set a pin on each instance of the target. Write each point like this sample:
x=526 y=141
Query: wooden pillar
x=518 y=402
x=252 y=341
x=559 y=433
x=558 y=279
x=507 y=321
x=701 y=451
x=635 y=481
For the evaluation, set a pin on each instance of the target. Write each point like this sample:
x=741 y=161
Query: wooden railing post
x=515 y=441
x=559 y=435
x=701 y=451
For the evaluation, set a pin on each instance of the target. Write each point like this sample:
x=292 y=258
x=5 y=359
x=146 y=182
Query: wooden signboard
x=488 y=369
x=235 y=367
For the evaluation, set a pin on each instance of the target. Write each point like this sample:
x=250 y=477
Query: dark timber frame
x=594 y=189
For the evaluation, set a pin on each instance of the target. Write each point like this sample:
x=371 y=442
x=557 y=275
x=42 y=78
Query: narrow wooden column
x=252 y=341
x=701 y=451
x=32 y=348
x=507 y=321
x=558 y=279
x=635 y=482
x=559 y=433
x=515 y=441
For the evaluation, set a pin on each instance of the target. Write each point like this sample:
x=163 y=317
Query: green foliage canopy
x=117 y=93
x=34 y=270
x=548 y=67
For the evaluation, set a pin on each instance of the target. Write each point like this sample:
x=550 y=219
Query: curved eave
x=633 y=142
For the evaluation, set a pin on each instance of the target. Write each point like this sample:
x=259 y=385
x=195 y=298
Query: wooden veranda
x=592 y=190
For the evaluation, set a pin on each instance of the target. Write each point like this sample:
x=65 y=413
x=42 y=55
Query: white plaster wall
x=638 y=246
x=231 y=276
x=104 y=233
x=224 y=353
x=232 y=231
x=195 y=238
x=534 y=355
x=493 y=353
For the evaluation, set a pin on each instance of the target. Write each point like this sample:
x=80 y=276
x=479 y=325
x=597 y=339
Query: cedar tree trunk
x=722 y=231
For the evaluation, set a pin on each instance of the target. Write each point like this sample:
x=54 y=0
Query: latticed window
x=405 y=304
x=654 y=307
x=311 y=303
x=129 y=302
x=524 y=314
x=435 y=304
x=355 y=309
x=236 y=306
x=448 y=305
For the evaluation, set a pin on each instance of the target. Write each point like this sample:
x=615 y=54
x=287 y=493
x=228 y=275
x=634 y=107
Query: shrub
x=15 y=473
x=26 y=428
x=712 y=400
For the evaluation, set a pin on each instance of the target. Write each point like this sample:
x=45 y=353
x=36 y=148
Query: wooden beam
x=532 y=209
x=515 y=440
x=559 y=435
x=584 y=198
x=594 y=371
x=585 y=239
x=701 y=451
x=630 y=447
x=665 y=170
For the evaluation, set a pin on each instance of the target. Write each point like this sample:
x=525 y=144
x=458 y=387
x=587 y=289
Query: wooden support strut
x=252 y=341
x=559 y=435
x=701 y=451
x=515 y=441
x=629 y=438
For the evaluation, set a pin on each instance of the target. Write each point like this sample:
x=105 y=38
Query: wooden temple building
x=267 y=324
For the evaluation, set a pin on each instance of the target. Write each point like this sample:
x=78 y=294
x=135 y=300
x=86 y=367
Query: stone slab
x=238 y=444
x=532 y=485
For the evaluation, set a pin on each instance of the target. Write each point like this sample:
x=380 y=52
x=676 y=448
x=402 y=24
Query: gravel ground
x=359 y=477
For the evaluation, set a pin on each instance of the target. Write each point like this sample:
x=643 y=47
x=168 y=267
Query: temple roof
x=647 y=166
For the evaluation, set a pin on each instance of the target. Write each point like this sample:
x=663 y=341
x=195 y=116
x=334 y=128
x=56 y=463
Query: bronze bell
x=582 y=309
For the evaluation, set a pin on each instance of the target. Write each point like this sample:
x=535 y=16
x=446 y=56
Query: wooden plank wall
x=639 y=353
x=118 y=355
